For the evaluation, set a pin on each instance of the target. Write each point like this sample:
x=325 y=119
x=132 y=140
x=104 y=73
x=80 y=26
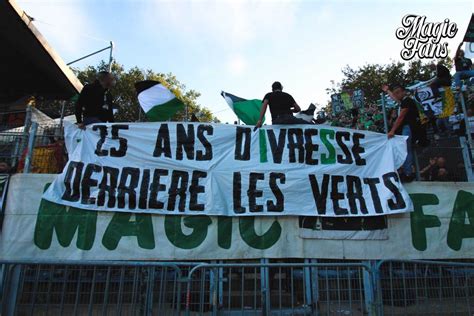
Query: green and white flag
x=157 y=101
x=248 y=111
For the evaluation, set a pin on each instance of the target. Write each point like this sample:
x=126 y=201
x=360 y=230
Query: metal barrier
x=259 y=288
x=129 y=288
x=279 y=289
x=457 y=163
x=424 y=288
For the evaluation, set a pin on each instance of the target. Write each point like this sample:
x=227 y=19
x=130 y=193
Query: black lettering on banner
x=374 y=193
x=184 y=141
x=295 y=142
x=399 y=202
x=357 y=149
x=253 y=193
x=354 y=192
x=123 y=142
x=144 y=189
x=336 y=196
x=195 y=189
x=163 y=146
x=179 y=184
x=88 y=182
x=240 y=134
x=155 y=188
x=279 y=206
x=73 y=193
x=108 y=186
x=277 y=147
x=209 y=130
x=310 y=147
x=320 y=194
x=102 y=133
x=237 y=193
x=340 y=137
x=127 y=185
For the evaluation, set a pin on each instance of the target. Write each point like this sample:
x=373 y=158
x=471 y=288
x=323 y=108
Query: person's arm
x=78 y=110
x=430 y=165
x=263 y=110
x=457 y=50
x=296 y=108
x=398 y=122
x=81 y=102
x=387 y=90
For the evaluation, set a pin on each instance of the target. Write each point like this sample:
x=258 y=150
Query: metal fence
x=424 y=288
x=251 y=288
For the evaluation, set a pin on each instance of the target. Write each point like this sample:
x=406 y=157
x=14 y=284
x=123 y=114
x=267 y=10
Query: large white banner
x=228 y=170
x=440 y=227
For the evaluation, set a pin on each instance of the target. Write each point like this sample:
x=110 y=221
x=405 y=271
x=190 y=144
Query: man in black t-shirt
x=463 y=67
x=406 y=124
x=95 y=101
x=443 y=79
x=282 y=105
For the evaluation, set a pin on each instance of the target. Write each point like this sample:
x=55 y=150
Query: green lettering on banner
x=263 y=145
x=419 y=221
x=224 y=232
x=331 y=158
x=174 y=232
x=54 y=217
x=121 y=225
x=249 y=235
x=458 y=229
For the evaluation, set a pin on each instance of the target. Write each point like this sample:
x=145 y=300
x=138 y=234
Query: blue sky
x=239 y=46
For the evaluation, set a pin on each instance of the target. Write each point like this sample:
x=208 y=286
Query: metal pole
x=89 y=55
x=111 y=58
x=21 y=144
x=466 y=122
x=467 y=159
x=31 y=145
x=11 y=295
x=265 y=287
x=385 y=123
x=63 y=103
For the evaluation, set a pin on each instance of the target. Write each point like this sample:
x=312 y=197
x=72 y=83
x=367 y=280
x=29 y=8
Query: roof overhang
x=29 y=66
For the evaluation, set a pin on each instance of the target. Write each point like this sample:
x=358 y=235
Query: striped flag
x=157 y=101
x=248 y=111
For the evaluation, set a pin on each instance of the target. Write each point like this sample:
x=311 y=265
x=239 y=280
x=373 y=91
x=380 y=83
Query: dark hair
x=394 y=86
x=277 y=86
x=102 y=74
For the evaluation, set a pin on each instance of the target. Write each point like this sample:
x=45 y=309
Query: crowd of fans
x=436 y=163
x=369 y=118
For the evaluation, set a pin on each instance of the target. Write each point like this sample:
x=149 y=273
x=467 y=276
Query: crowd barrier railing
x=312 y=287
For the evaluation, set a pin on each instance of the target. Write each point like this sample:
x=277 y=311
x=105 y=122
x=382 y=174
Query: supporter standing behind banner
x=407 y=124
x=463 y=67
x=95 y=102
x=282 y=105
x=443 y=79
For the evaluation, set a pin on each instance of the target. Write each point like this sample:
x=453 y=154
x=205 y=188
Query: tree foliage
x=370 y=77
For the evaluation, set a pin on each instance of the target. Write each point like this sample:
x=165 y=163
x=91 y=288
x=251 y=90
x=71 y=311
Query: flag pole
x=385 y=123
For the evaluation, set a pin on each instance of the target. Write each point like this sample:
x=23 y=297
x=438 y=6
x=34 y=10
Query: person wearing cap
x=282 y=106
